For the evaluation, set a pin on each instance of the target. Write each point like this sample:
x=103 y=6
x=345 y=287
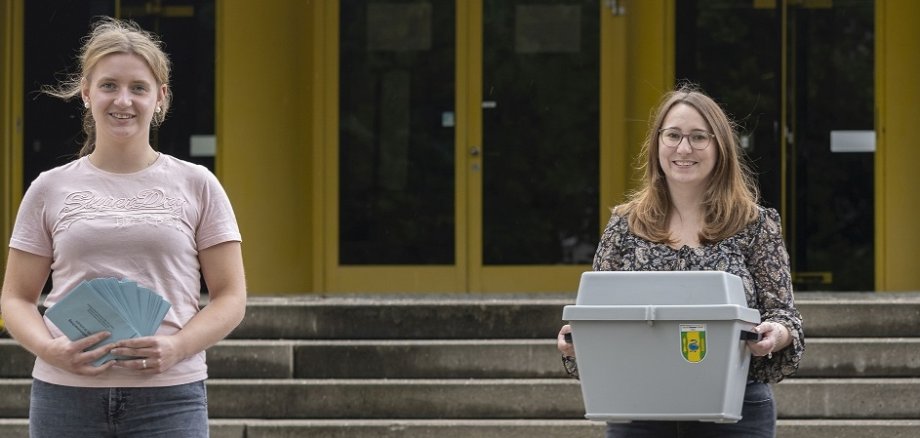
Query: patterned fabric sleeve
x=768 y=263
x=610 y=237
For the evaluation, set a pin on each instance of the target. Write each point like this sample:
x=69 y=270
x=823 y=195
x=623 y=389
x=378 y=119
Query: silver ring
x=144 y=363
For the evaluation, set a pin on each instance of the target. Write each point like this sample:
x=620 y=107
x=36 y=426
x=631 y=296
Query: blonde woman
x=126 y=211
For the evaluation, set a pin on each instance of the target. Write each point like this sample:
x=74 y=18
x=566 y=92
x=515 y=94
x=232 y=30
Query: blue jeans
x=171 y=411
x=758 y=420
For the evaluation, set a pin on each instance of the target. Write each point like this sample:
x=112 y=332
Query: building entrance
x=468 y=141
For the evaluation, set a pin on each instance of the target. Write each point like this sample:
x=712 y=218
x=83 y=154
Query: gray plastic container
x=661 y=345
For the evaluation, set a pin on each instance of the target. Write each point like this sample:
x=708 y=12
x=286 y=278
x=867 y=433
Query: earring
x=86 y=104
x=158 y=110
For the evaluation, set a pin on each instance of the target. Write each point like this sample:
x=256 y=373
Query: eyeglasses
x=672 y=137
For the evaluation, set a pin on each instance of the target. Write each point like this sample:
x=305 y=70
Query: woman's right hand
x=26 y=274
x=67 y=355
x=566 y=348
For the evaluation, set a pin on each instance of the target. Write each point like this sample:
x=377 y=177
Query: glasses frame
x=709 y=137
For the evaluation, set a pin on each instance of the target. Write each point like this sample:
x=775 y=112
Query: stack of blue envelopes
x=120 y=307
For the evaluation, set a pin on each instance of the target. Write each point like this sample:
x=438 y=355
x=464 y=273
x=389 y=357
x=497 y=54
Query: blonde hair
x=730 y=200
x=111 y=36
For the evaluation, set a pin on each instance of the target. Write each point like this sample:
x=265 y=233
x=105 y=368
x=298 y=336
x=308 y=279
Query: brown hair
x=110 y=36
x=730 y=201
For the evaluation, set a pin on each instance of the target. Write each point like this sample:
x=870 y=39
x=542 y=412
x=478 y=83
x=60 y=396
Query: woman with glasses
x=697 y=210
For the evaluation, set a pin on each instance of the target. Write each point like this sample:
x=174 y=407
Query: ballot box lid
x=624 y=288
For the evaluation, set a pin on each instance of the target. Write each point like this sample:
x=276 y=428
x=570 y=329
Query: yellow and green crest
x=693 y=342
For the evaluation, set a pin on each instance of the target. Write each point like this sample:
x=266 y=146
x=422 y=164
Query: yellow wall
x=11 y=34
x=270 y=73
x=615 y=169
x=264 y=103
x=897 y=206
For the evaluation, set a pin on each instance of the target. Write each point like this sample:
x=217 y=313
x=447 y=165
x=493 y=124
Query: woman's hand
x=566 y=348
x=774 y=337
x=67 y=355
x=150 y=354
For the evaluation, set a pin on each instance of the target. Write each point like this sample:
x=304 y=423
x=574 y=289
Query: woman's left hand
x=152 y=354
x=774 y=337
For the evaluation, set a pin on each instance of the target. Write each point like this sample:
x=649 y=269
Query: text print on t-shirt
x=150 y=206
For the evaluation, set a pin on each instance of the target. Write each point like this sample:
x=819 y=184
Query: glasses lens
x=671 y=137
x=699 y=139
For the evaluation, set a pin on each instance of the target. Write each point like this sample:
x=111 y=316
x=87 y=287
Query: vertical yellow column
x=264 y=137
x=11 y=66
x=11 y=62
x=650 y=65
x=615 y=161
x=897 y=206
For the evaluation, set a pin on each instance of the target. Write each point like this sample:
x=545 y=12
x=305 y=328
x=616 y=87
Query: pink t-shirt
x=146 y=227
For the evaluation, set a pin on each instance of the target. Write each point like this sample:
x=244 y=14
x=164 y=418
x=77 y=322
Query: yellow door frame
x=614 y=164
x=374 y=278
x=12 y=17
x=469 y=92
x=519 y=278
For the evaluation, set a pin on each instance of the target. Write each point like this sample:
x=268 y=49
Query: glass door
x=540 y=144
x=798 y=77
x=467 y=146
x=396 y=222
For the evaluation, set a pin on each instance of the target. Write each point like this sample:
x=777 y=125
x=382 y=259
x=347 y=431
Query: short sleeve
x=218 y=222
x=32 y=232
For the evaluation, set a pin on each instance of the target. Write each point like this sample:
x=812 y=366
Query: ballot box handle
x=749 y=336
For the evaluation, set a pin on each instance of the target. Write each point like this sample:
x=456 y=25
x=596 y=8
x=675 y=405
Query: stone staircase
x=486 y=366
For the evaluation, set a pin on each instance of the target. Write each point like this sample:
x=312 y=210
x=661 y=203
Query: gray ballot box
x=662 y=345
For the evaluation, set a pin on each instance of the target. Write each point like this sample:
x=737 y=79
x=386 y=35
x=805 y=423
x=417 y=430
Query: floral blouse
x=757 y=254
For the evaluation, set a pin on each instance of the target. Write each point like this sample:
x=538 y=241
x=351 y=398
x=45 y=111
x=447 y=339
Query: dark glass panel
x=396 y=133
x=833 y=90
x=541 y=79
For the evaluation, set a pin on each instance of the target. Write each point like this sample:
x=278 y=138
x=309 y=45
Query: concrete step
x=530 y=398
x=394 y=359
x=259 y=359
x=478 y=358
x=533 y=316
x=509 y=358
x=495 y=399
x=524 y=428
x=408 y=317
x=259 y=428
x=847 y=428
x=861 y=357
x=870 y=314
x=483 y=366
x=529 y=316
